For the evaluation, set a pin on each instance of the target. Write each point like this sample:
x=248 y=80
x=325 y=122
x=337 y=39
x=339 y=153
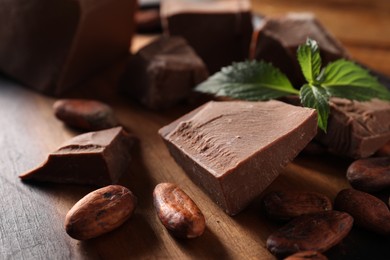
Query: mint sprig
x=249 y=80
x=258 y=80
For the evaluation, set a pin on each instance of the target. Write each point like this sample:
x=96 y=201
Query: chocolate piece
x=356 y=129
x=163 y=73
x=370 y=174
x=95 y=158
x=85 y=114
x=279 y=38
x=219 y=31
x=235 y=149
x=52 y=46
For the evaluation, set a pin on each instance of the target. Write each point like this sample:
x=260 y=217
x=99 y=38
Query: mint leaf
x=316 y=97
x=346 y=79
x=310 y=60
x=249 y=80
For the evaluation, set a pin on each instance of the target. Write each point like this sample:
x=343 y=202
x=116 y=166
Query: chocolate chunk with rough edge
x=53 y=46
x=219 y=31
x=163 y=73
x=95 y=158
x=235 y=149
x=278 y=39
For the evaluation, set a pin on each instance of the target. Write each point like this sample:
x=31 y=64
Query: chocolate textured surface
x=357 y=129
x=95 y=158
x=163 y=73
x=53 y=46
x=219 y=31
x=278 y=39
x=85 y=114
x=235 y=149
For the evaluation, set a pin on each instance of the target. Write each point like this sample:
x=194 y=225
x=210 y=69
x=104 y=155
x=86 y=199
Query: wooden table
x=32 y=215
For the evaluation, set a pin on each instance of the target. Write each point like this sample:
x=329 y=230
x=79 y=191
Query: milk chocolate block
x=163 y=73
x=278 y=39
x=235 y=149
x=95 y=158
x=52 y=46
x=220 y=31
x=357 y=129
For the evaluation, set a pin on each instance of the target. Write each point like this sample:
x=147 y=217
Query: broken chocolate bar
x=90 y=115
x=163 y=73
x=278 y=39
x=219 y=31
x=235 y=149
x=357 y=129
x=95 y=158
x=52 y=46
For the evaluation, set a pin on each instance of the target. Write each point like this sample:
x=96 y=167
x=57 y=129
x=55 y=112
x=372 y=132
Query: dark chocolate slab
x=235 y=149
x=52 y=46
x=279 y=37
x=357 y=129
x=95 y=158
x=163 y=73
x=219 y=31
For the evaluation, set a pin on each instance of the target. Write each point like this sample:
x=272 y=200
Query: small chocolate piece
x=235 y=149
x=163 y=73
x=219 y=31
x=370 y=174
x=52 y=46
x=95 y=158
x=356 y=129
x=285 y=205
x=311 y=232
x=368 y=211
x=90 y=115
x=278 y=39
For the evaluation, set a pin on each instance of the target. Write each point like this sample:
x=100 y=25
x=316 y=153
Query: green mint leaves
x=249 y=80
x=258 y=80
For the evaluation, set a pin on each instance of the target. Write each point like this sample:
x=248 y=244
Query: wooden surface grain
x=32 y=215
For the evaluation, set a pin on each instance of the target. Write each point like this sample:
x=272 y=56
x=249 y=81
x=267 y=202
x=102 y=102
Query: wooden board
x=32 y=216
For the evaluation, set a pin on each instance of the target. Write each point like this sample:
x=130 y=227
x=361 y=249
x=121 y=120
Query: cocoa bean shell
x=368 y=211
x=285 y=205
x=177 y=211
x=310 y=232
x=99 y=212
x=370 y=174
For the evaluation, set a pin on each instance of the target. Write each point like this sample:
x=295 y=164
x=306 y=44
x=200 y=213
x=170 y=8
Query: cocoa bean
x=368 y=211
x=370 y=174
x=99 y=212
x=311 y=255
x=285 y=205
x=177 y=212
x=310 y=232
x=85 y=114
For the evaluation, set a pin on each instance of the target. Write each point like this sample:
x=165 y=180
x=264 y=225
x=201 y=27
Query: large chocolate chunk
x=235 y=149
x=95 y=158
x=357 y=129
x=52 y=46
x=163 y=73
x=219 y=31
x=278 y=39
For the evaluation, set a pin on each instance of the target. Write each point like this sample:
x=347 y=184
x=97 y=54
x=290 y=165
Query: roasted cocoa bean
x=310 y=232
x=85 y=114
x=285 y=205
x=177 y=211
x=368 y=211
x=99 y=212
x=370 y=174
